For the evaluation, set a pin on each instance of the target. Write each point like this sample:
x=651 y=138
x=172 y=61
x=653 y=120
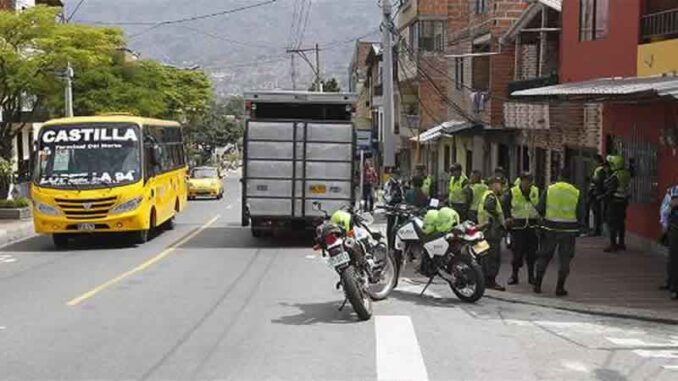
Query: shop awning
x=662 y=86
x=447 y=129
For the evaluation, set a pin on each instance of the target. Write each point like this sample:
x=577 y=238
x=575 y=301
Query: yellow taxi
x=205 y=182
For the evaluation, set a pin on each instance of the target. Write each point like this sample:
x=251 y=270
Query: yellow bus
x=105 y=174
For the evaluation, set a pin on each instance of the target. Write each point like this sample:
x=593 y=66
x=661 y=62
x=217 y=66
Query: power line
x=220 y=38
x=185 y=19
x=77 y=8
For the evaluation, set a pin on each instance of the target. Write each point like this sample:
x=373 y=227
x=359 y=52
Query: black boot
x=537 y=283
x=530 y=274
x=560 y=288
x=514 y=277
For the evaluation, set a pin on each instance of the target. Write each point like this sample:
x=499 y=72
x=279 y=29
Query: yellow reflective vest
x=456 y=187
x=562 y=200
x=522 y=208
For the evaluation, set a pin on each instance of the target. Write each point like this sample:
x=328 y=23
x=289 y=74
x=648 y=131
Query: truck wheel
x=60 y=241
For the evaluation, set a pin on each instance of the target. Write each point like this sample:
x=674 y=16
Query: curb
x=16 y=233
x=590 y=309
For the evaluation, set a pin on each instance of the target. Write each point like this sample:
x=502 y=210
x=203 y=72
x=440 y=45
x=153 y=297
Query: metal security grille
x=641 y=157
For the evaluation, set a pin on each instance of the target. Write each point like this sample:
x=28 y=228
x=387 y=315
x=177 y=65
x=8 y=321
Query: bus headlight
x=46 y=209
x=127 y=206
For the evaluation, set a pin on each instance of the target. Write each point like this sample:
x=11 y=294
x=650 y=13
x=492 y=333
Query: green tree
x=34 y=49
x=145 y=88
x=329 y=86
x=219 y=126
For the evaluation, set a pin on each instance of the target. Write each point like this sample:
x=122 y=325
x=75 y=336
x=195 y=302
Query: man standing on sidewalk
x=596 y=190
x=669 y=221
x=520 y=210
x=491 y=221
x=561 y=207
x=456 y=197
x=426 y=178
x=617 y=195
x=476 y=188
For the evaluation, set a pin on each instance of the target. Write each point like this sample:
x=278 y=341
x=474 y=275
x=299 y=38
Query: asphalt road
x=207 y=301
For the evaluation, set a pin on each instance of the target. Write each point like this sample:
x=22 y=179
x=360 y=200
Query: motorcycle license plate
x=481 y=248
x=86 y=227
x=339 y=260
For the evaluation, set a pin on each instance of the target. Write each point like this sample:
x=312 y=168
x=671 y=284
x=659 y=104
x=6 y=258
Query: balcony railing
x=660 y=25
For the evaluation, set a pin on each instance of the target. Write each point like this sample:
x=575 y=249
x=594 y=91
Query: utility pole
x=294 y=73
x=68 y=96
x=318 y=81
x=315 y=67
x=388 y=140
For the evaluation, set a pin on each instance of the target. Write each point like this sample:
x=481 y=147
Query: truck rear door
x=291 y=164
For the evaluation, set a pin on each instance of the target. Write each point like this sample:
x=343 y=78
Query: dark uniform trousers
x=461 y=210
x=616 y=220
x=524 y=246
x=473 y=216
x=491 y=261
x=673 y=257
x=552 y=240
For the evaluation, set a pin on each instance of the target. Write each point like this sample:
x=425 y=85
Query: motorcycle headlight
x=127 y=206
x=46 y=209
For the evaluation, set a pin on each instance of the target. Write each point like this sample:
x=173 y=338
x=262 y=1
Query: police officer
x=456 y=198
x=428 y=181
x=520 y=210
x=669 y=222
x=474 y=190
x=499 y=172
x=617 y=196
x=596 y=190
x=491 y=220
x=561 y=207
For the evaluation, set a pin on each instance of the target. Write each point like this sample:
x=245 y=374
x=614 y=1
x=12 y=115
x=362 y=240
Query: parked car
x=205 y=182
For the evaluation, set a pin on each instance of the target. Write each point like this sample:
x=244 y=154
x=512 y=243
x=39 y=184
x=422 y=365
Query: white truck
x=299 y=147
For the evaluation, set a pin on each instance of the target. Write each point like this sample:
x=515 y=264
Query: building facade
x=618 y=60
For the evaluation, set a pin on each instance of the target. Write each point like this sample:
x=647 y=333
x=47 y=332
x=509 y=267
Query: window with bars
x=431 y=36
x=481 y=6
x=593 y=19
x=459 y=72
x=641 y=159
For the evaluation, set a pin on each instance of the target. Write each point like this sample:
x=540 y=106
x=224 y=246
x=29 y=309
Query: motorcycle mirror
x=316 y=205
x=434 y=203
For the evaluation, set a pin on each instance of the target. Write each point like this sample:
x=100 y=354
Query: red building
x=623 y=55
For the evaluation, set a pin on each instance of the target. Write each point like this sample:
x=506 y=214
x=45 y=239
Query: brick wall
x=501 y=73
x=433 y=108
x=432 y=7
x=527 y=64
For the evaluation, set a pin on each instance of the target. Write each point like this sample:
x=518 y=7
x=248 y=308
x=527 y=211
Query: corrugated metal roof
x=448 y=128
x=659 y=85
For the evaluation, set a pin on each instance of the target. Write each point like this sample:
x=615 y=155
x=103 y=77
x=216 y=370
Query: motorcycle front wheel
x=388 y=277
x=360 y=300
x=469 y=284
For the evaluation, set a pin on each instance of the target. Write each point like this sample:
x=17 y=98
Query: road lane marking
x=637 y=343
x=6 y=258
x=398 y=353
x=670 y=367
x=657 y=354
x=79 y=299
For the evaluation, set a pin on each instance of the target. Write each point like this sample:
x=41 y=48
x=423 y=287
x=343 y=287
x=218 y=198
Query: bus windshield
x=89 y=156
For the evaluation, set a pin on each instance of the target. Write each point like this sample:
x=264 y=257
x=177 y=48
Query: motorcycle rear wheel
x=470 y=281
x=361 y=302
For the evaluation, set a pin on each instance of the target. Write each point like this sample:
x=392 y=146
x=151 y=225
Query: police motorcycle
x=359 y=255
x=442 y=246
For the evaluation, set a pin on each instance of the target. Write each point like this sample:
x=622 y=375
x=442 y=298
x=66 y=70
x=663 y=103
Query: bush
x=21 y=202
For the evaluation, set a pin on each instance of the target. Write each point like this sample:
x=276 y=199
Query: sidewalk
x=15 y=230
x=619 y=283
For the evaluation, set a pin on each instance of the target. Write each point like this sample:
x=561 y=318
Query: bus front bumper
x=59 y=224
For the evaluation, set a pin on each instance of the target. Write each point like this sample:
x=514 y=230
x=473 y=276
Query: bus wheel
x=60 y=241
